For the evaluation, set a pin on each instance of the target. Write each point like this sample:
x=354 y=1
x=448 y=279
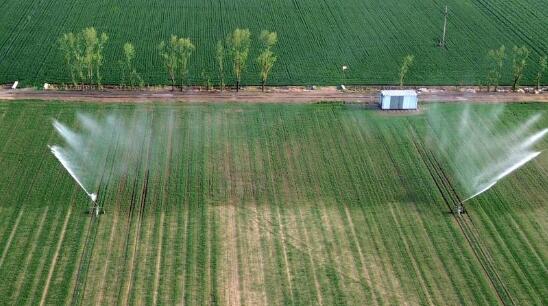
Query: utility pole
x=442 y=43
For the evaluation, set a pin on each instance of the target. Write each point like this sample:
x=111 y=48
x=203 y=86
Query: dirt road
x=274 y=96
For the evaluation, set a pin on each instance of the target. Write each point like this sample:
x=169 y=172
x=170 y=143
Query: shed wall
x=409 y=102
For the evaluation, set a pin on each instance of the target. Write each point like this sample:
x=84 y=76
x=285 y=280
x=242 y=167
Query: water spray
x=87 y=152
x=57 y=152
x=504 y=173
x=479 y=157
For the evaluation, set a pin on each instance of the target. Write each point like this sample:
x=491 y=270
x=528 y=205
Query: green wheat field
x=240 y=204
x=316 y=38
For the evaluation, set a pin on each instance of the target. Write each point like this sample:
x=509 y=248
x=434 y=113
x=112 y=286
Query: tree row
x=83 y=57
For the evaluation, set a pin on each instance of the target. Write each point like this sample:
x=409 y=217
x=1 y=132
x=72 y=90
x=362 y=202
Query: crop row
x=316 y=38
x=277 y=204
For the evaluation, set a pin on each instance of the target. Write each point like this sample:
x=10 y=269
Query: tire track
x=102 y=286
x=361 y=256
x=333 y=146
x=464 y=222
x=291 y=179
x=412 y=258
x=12 y=234
x=128 y=230
x=30 y=254
x=115 y=221
x=158 y=260
x=275 y=207
x=143 y=197
x=419 y=273
x=46 y=253
x=233 y=293
x=24 y=197
x=91 y=234
x=317 y=286
x=165 y=196
x=132 y=276
x=55 y=256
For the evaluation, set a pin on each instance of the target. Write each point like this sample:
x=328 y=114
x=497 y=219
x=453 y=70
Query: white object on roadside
x=343 y=88
x=46 y=86
x=14 y=86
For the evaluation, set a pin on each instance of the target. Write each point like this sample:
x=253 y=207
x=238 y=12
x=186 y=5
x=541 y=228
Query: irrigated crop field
x=265 y=205
x=316 y=37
